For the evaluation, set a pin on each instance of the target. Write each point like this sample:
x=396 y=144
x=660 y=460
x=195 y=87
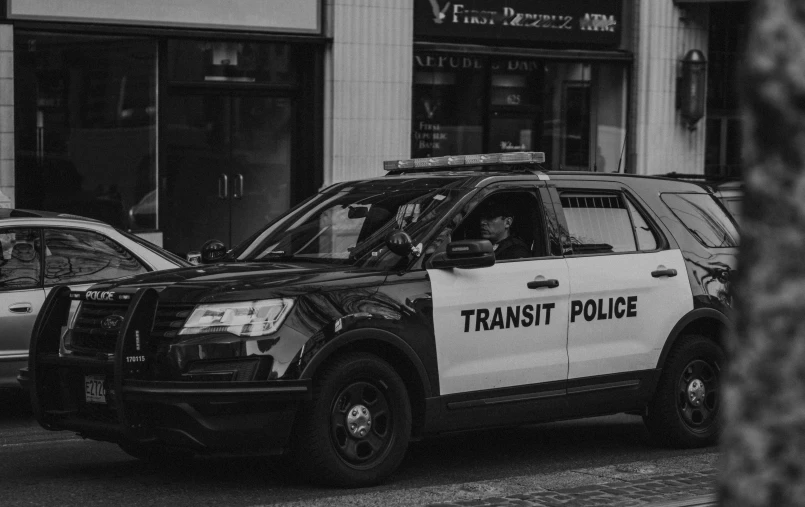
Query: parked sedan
x=41 y=249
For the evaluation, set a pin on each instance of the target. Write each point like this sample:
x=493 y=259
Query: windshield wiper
x=273 y=257
x=289 y=257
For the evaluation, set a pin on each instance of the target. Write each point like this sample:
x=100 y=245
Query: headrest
x=23 y=252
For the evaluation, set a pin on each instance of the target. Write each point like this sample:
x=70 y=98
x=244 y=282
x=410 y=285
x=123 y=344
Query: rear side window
x=20 y=261
x=74 y=256
x=704 y=218
x=598 y=223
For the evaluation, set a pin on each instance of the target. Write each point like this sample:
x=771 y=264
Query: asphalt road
x=39 y=467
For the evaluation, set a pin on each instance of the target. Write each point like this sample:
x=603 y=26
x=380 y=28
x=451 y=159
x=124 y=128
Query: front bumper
x=243 y=417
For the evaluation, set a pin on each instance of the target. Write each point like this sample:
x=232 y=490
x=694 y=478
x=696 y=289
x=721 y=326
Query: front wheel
x=685 y=410
x=355 y=430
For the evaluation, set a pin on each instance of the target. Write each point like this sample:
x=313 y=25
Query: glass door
x=228 y=167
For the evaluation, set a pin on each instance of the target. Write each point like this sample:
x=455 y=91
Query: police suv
x=375 y=313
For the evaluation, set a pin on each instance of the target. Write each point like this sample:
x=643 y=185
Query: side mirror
x=358 y=211
x=212 y=251
x=399 y=242
x=194 y=257
x=468 y=253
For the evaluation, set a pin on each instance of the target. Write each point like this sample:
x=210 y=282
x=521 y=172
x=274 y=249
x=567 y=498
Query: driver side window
x=511 y=220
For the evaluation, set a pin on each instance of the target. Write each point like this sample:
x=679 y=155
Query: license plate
x=94 y=390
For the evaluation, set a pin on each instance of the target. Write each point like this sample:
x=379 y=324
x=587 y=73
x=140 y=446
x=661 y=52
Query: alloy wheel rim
x=698 y=395
x=361 y=424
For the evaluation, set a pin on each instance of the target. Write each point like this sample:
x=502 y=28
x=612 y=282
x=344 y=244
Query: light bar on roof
x=517 y=157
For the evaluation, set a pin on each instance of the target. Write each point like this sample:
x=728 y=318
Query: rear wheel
x=685 y=411
x=355 y=430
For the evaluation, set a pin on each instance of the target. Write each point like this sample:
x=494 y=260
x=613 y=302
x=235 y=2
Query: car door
x=21 y=291
x=504 y=325
x=628 y=288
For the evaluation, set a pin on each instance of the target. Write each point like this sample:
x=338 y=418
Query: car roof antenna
x=623 y=147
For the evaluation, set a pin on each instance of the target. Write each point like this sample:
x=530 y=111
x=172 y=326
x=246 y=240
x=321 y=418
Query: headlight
x=247 y=318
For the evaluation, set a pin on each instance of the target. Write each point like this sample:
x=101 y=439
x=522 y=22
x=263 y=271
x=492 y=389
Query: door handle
x=663 y=272
x=538 y=284
x=238 y=192
x=223 y=186
x=21 y=308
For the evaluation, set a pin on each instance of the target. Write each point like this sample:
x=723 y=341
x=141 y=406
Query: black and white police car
x=375 y=312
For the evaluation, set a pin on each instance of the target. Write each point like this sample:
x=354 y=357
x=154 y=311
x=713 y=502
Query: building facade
x=185 y=121
x=177 y=120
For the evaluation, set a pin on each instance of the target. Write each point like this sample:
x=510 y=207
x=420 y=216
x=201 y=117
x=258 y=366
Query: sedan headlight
x=247 y=318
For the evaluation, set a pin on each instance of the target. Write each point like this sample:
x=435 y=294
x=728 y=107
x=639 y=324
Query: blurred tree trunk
x=764 y=440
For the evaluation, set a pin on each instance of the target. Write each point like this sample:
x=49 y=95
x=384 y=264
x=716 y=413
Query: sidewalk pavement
x=694 y=489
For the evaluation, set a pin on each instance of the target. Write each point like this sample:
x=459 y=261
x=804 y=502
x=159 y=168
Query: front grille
x=88 y=335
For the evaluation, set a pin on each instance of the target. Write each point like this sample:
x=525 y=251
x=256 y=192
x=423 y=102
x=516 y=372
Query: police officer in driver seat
x=496 y=220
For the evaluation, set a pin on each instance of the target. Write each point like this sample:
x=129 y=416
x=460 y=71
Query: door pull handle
x=538 y=284
x=223 y=186
x=21 y=308
x=238 y=192
x=663 y=272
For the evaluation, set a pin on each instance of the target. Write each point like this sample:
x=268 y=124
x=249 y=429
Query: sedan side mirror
x=468 y=253
x=212 y=251
x=193 y=257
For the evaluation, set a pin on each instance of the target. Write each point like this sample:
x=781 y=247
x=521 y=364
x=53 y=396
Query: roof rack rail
x=698 y=177
x=463 y=162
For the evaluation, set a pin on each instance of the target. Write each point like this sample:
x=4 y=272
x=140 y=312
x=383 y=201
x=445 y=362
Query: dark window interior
x=527 y=222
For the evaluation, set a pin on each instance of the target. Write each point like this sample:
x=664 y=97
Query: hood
x=246 y=281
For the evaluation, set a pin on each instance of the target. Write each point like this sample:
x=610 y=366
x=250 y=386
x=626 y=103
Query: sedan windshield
x=348 y=223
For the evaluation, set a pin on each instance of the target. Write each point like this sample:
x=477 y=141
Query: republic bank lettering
x=425 y=61
x=510 y=17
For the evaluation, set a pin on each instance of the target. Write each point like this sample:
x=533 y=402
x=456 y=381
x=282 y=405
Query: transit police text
x=616 y=308
x=531 y=315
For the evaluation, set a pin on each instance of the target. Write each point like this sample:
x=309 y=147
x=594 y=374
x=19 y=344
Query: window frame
x=659 y=239
x=625 y=197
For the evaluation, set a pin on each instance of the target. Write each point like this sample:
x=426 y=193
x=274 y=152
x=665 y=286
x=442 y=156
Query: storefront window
x=448 y=112
x=85 y=125
x=239 y=62
x=573 y=111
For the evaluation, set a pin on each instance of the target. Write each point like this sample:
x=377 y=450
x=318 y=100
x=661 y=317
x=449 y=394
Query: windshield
x=348 y=223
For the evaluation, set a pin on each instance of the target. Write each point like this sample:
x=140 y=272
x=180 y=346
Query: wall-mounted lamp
x=692 y=87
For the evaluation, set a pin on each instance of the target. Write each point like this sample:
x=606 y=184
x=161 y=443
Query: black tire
x=686 y=409
x=355 y=430
x=154 y=453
